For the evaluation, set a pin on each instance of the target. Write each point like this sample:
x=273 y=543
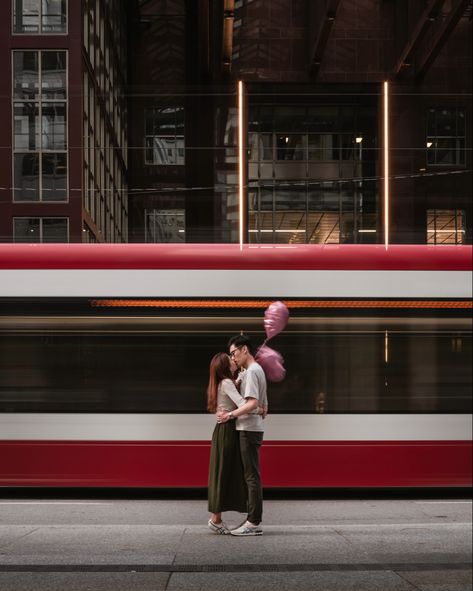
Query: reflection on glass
x=165 y=225
x=26 y=177
x=26 y=16
x=54 y=230
x=266 y=197
x=53 y=74
x=54 y=16
x=25 y=74
x=164 y=150
x=26 y=230
x=290 y=197
x=53 y=126
x=54 y=176
x=26 y=126
x=290 y=147
x=323 y=228
x=445 y=140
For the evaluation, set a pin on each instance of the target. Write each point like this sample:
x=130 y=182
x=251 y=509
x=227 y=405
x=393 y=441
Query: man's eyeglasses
x=232 y=353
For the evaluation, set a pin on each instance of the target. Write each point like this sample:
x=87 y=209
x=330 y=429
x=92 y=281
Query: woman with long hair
x=227 y=487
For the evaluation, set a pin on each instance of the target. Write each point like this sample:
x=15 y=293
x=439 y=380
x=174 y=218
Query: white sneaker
x=247 y=529
x=218 y=528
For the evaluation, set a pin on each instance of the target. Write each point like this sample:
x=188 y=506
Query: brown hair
x=220 y=369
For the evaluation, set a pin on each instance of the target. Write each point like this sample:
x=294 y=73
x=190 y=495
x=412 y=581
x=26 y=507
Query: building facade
x=120 y=120
x=64 y=121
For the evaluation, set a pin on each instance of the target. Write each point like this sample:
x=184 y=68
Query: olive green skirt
x=227 y=487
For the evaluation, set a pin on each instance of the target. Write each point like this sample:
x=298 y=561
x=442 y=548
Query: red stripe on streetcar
x=229 y=256
x=283 y=463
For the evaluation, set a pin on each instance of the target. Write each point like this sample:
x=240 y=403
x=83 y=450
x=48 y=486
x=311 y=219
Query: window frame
x=41 y=219
x=40 y=151
x=434 y=149
x=458 y=233
x=176 y=137
x=40 y=32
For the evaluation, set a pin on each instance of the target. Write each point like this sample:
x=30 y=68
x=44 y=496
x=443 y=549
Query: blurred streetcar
x=104 y=353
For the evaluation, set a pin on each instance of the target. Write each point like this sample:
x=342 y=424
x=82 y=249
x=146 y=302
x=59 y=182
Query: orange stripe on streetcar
x=289 y=303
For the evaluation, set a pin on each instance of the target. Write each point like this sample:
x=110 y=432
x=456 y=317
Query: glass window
x=54 y=230
x=329 y=139
x=53 y=126
x=253 y=139
x=39 y=16
x=40 y=229
x=165 y=225
x=266 y=197
x=322 y=146
x=289 y=119
x=26 y=177
x=53 y=74
x=445 y=226
x=323 y=228
x=290 y=146
x=26 y=127
x=289 y=228
x=40 y=126
x=294 y=198
x=445 y=137
x=26 y=230
x=332 y=371
x=164 y=136
x=26 y=74
x=323 y=118
x=54 y=176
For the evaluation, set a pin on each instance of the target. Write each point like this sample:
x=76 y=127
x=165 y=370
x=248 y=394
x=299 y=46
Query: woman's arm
x=245 y=405
x=224 y=416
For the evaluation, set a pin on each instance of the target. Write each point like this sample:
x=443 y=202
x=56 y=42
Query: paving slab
x=83 y=581
x=413 y=542
x=289 y=545
x=94 y=544
x=346 y=581
x=460 y=580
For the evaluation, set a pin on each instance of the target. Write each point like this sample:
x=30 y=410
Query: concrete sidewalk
x=165 y=545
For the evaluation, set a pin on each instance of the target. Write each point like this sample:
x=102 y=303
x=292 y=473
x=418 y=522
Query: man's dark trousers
x=250 y=443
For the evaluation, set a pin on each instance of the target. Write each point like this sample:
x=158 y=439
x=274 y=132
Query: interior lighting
x=358 y=139
x=429 y=144
x=452 y=231
x=240 y=160
x=386 y=165
x=367 y=231
x=386 y=347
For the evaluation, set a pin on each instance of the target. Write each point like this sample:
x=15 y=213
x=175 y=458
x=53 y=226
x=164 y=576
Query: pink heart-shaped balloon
x=275 y=318
x=272 y=363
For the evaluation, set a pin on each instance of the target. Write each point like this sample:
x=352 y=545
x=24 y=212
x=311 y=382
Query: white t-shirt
x=228 y=396
x=253 y=385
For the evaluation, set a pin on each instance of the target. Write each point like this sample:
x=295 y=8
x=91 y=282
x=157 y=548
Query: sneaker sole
x=259 y=533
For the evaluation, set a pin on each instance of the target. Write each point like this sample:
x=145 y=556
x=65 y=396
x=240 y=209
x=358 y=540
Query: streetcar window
x=337 y=372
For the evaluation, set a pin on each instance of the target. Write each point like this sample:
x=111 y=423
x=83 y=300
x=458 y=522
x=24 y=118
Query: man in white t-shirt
x=250 y=426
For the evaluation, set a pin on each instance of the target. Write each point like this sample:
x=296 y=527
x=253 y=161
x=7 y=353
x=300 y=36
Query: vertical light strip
x=386 y=347
x=240 y=160
x=386 y=166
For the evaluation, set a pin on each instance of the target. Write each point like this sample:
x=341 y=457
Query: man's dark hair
x=241 y=340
